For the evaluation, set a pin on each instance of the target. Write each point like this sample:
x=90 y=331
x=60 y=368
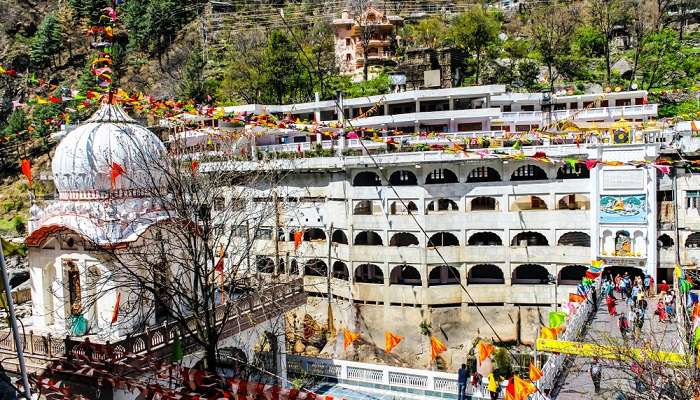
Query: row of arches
x=400 y=239
x=438 y=275
x=528 y=238
x=527 y=172
x=481 y=203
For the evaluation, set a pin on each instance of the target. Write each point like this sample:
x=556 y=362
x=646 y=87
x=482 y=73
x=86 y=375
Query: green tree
x=194 y=84
x=430 y=32
x=551 y=27
x=280 y=68
x=605 y=16
x=664 y=62
x=47 y=41
x=589 y=42
x=474 y=31
x=16 y=125
x=89 y=10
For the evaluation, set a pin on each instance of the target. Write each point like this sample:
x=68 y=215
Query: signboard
x=431 y=78
x=604 y=351
x=623 y=179
x=628 y=209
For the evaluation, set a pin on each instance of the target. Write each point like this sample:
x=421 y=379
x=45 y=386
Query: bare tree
x=644 y=21
x=605 y=15
x=366 y=28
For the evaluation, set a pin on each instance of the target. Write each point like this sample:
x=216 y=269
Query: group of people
x=494 y=388
x=634 y=293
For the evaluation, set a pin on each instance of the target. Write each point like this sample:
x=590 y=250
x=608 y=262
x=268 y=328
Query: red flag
x=219 y=267
x=115 y=311
x=116 y=171
x=590 y=164
x=298 y=237
x=194 y=165
x=592 y=275
x=27 y=171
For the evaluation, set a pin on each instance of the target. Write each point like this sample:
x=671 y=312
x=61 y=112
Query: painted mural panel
x=623 y=209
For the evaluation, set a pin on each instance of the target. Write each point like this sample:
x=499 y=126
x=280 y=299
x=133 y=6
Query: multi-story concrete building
x=371 y=28
x=426 y=235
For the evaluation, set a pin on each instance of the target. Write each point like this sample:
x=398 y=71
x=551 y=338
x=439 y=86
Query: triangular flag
x=391 y=341
x=115 y=311
x=485 y=350
x=523 y=388
x=117 y=170
x=677 y=271
x=575 y=298
x=436 y=347
x=590 y=164
x=696 y=311
x=510 y=390
x=27 y=171
x=592 y=275
x=549 y=333
x=556 y=319
x=349 y=337
x=194 y=166
x=535 y=373
x=685 y=286
x=693 y=126
x=298 y=237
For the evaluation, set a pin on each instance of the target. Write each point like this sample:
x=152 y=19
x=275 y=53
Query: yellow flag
x=677 y=272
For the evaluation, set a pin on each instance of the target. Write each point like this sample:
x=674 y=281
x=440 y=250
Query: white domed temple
x=93 y=210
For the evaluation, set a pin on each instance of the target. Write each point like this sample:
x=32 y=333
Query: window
x=348 y=42
x=239 y=231
x=348 y=57
x=506 y=108
x=528 y=172
x=483 y=174
x=527 y=108
x=692 y=199
x=263 y=233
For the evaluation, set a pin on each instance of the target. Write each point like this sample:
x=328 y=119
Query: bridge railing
x=415 y=382
x=574 y=328
x=244 y=313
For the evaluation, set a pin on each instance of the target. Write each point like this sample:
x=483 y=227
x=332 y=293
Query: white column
x=595 y=201
x=652 y=251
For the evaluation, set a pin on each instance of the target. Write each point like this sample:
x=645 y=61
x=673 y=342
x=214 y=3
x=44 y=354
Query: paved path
x=603 y=330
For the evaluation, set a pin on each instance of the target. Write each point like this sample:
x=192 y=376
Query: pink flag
x=590 y=164
x=664 y=169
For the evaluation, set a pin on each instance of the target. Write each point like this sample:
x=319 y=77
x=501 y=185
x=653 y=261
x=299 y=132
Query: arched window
x=363 y=207
x=339 y=237
x=579 y=239
x=485 y=274
x=397 y=208
x=315 y=267
x=441 y=175
x=294 y=268
x=574 y=202
x=572 y=274
x=340 y=271
x=314 y=235
x=348 y=57
x=442 y=205
x=369 y=273
x=578 y=172
x=367 y=178
x=402 y=239
x=530 y=274
x=529 y=239
x=664 y=242
x=528 y=173
x=265 y=265
x=528 y=203
x=483 y=174
x=483 y=203
x=443 y=239
x=693 y=240
x=403 y=178
x=405 y=275
x=443 y=275
x=368 y=238
x=485 y=239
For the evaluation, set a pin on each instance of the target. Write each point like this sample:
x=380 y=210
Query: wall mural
x=625 y=209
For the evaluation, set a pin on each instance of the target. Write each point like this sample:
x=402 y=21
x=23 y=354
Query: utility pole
x=277 y=233
x=331 y=328
x=13 y=325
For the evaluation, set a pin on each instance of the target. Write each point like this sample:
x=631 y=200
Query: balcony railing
x=606 y=113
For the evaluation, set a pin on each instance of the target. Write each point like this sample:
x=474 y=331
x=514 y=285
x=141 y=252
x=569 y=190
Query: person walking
x=624 y=325
x=596 y=372
x=462 y=377
x=610 y=301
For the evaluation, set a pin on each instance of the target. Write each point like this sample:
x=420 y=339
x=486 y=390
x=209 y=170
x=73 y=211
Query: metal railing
x=418 y=383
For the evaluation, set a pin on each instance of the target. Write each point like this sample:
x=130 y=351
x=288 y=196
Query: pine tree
x=47 y=42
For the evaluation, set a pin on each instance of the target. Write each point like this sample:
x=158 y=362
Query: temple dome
x=82 y=163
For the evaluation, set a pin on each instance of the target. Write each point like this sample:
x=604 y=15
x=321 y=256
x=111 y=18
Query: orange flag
x=485 y=350
x=576 y=298
x=523 y=388
x=115 y=311
x=391 y=341
x=298 y=237
x=696 y=311
x=535 y=373
x=27 y=171
x=549 y=333
x=349 y=337
x=116 y=171
x=436 y=347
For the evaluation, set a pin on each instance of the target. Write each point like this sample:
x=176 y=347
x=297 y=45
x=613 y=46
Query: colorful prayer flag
x=391 y=341
x=557 y=318
x=436 y=347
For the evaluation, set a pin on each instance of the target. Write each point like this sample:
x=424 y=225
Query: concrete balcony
x=600 y=113
x=531 y=294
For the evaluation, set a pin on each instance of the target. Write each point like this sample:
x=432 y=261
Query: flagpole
x=13 y=324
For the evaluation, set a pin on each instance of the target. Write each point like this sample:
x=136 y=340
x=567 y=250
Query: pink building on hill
x=373 y=29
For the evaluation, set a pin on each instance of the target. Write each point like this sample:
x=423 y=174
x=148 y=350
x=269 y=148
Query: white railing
x=416 y=383
x=574 y=328
x=609 y=113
